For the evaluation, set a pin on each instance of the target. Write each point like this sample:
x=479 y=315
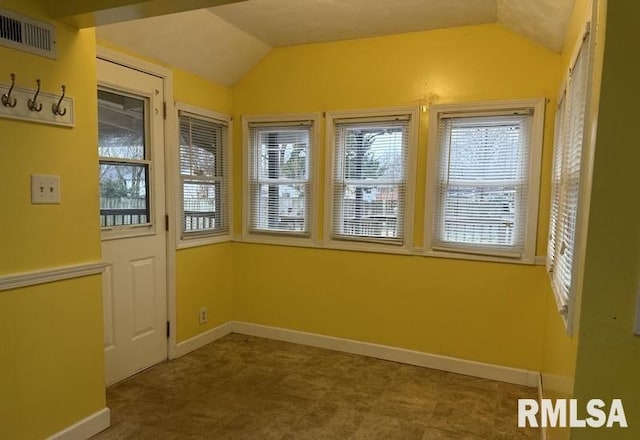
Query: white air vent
x=28 y=35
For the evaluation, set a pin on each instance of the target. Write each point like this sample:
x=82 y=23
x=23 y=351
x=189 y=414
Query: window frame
x=567 y=309
x=281 y=237
x=372 y=245
x=535 y=163
x=204 y=238
x=150 y=227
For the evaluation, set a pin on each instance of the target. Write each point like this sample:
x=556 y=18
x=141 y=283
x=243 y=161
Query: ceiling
x=223 y=43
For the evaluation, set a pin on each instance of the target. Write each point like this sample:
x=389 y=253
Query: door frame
x=170 y=171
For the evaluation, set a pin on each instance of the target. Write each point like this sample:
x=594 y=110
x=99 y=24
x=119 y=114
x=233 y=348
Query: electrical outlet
x=204 y=315
x=45 y=189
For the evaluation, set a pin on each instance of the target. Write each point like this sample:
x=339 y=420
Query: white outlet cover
x=204 y=315
x=45 y=189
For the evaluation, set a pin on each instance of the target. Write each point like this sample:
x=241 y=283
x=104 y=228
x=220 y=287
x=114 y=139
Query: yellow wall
x=481 y=311
x=195 y=90
x=608 y=353
x=51 y=358
x=37 y=236
x=204 y=279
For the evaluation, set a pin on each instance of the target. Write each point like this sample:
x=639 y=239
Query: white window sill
x=380 y=249
x=479 y=257
x=361 y=246
x=192 y=242
x=278 y=240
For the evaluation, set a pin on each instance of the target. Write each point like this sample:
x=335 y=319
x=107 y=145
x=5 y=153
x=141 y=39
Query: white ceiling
x=196 y=41
x=225 y=42
x=543 y=21
x=290 y=22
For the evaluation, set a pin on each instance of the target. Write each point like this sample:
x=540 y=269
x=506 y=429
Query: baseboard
x=203 y=339
x=411 y=357
x=543 y=429
x=85 y=428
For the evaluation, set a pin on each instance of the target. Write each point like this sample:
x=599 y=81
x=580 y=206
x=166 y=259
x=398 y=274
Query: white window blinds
x=569 y=137
x=483 y=177
x=203 y=175
x=280 y=177
x=556 y=180
x=370 y=179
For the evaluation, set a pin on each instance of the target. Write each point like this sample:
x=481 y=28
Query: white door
x=132 y=217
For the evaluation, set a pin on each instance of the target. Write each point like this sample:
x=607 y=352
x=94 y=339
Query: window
x=370 y=177
x=204 y=174
x=279 y=170
x=124 y=161
x=484 y=178
x=567 y=165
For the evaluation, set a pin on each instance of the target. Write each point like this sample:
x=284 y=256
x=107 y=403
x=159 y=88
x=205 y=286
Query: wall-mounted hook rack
x=57 y=108
x=33 y=103
x=7 y=99
x=27 y=104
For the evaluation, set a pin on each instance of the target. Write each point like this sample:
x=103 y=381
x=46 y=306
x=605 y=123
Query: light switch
x=45 y=189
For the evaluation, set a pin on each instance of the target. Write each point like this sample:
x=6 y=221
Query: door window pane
x=124 y=193
x=124 y=164
x=121 y=121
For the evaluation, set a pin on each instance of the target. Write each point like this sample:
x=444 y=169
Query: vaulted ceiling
x=222 y=43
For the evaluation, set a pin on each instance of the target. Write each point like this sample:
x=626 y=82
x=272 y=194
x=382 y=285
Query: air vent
x=28 y=35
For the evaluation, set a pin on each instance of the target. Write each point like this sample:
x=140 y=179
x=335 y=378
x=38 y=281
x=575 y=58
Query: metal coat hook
x=6 y=98
x=33 y=103
x=56 y=107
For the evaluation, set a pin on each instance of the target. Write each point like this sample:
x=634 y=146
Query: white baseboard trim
x=203 y=339
x=25 y=279
x=85 y=428
x=411 y=357
x=543 y=429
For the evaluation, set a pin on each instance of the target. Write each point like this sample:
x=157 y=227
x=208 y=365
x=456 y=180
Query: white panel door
x=132 y=216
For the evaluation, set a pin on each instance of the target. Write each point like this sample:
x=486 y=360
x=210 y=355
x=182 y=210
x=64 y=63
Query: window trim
x=407 y=247
x=281 y=238
x=153 y=224
x=588 y=42
x=204 y=238
x=535 y=163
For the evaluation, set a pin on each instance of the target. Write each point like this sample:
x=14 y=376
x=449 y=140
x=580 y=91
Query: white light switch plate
x=45 y=189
